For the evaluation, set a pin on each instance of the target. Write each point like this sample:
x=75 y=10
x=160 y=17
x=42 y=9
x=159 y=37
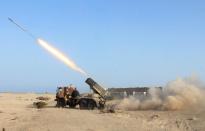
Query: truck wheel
x=58 y=103
x=61 y=102
x=72 y=106
x=72 y=103
x=91 y=105
x=83 y=104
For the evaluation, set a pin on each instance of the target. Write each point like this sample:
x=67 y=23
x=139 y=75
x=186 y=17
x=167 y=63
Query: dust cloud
x=180 y=94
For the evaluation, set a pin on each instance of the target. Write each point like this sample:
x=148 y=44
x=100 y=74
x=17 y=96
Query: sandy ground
x=17 y=114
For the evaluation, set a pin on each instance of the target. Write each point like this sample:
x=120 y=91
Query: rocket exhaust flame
x=55 y=52
x=59 y=55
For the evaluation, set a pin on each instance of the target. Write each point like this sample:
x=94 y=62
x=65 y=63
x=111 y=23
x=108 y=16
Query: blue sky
x=120 y=43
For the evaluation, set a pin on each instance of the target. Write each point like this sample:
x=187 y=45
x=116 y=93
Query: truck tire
x=60 y=102
x=91 y=105
x=72 y=103
x=83 y=104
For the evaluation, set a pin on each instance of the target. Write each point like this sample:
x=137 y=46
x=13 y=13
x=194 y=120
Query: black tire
x=60 y=102
x=72 y=106
x=83 y=104
x=91 y=104
x=72 y=103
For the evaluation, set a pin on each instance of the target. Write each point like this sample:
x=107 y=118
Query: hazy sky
x=119 y=43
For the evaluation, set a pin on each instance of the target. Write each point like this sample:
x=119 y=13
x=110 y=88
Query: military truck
x=71 y=97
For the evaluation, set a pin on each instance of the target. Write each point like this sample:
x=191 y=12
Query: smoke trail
x=55 y=52
x=59 y=55
x=180 y=94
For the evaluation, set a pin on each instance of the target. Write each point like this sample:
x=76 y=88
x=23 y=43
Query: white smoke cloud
x=180 y=94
